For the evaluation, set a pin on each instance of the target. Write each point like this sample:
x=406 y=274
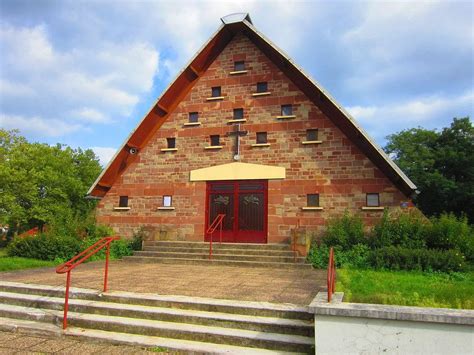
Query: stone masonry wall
x=336 y=168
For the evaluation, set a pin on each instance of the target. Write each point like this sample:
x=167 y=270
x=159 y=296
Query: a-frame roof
x=186 y=79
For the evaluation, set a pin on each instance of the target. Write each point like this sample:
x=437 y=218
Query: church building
x=243 y=132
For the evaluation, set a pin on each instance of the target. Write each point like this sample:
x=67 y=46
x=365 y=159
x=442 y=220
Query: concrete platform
x=296 y=286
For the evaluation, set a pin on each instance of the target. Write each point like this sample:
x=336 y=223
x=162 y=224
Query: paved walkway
x=17 y=343
x=228 y=282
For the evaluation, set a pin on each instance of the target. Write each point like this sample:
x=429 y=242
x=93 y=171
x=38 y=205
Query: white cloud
x=80 y=83
x=38 y=126
x=430 y=112
x=87 y=114
x=105 y=154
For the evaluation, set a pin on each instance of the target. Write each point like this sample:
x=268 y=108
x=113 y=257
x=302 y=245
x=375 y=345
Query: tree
x=42 y=184
x=441 y=164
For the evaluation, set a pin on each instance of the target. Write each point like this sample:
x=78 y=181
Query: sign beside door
x=244 y=203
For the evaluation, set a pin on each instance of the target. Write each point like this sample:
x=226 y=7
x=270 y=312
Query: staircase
x=173 y=322
x=230 y=254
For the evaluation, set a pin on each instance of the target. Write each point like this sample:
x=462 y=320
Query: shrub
x=45 y=247
x=450 y=232
x=357 y=257
x=345 y=232
x=405 y=229
x=398 y=258
x=118 y=248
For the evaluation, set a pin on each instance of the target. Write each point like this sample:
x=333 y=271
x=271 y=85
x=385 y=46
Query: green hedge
x=396 y=258
x=45 y=247
x=60 y=249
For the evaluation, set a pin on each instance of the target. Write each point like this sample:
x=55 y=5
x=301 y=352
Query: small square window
x=373 y=200
x=240 y=65
x=171 y=142
x=311 y=135
x=238 y=113
x=312 y=200
x=216 y=91
x=262 y=87
x=286 y=110
x=193 y=117
x=123 y=201
x=215 y=140
x=261 y=137
x=167 y=201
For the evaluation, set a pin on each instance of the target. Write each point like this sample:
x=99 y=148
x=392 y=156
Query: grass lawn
x=8 y=263
x=407 y=288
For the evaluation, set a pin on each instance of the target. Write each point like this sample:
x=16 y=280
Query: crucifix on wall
x=237 y=133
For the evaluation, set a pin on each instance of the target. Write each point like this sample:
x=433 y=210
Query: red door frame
x=237 y=236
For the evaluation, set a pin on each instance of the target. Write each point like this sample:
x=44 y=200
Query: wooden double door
x=244 y=204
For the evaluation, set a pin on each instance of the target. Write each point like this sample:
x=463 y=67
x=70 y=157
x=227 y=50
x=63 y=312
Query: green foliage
x=45 y=247
x=356 y=257
x=398 y=258
x=42 y=184
x=407 y=229
x=345 y=232
x=441 y=164
x=16 y=263
x=450 y=232
x=407 y=288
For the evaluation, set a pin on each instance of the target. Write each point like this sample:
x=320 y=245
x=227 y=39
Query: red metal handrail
x=212 y=228
x=331 y=281
x=70 y=265
x=294 y=236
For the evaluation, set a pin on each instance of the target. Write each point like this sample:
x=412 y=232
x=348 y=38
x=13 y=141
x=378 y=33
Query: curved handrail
x=331 y=278
x=77 y=260
x=212 y=228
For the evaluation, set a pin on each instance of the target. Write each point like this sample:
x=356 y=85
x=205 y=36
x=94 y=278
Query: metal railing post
x=66 y=299
x=107 y=256
x=210 y=246
x=220 y=234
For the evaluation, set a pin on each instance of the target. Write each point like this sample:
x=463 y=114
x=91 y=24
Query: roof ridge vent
x=236 y=17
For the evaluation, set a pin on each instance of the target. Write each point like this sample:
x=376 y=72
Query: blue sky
x=84 y=73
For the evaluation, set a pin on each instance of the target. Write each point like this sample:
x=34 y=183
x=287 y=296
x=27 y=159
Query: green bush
x=357 y=257
x=406 y=229
x=450 y=232
x=345 y=232
x=398 y=258
x=45 y=247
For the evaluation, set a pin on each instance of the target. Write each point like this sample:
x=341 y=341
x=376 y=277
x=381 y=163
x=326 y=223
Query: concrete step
x=49 y=330
x=226 y=320
x=187 y=244
x=212 y=334
x=218 y=256
x=188 y=261
x=264 y=309
x=234 y=251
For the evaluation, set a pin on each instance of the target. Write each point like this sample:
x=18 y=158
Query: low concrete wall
x=357 y=328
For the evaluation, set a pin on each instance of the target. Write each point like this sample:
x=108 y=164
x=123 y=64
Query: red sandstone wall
x=335 y=169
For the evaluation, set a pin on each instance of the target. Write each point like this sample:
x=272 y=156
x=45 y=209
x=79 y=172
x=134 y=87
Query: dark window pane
x=123 y=201
x=311 y=134
x=313 y=200
x=286 y=110
x=193 y=117
x=238 y=113
x=250 y=186
x=373 y=200
x=238 y=66
x=171 y=142
x=216 y=91
x=167 y=201
x=215 y=140
x=222 y=204
x=251 y=212
x=261 y=137
x=262 y=87
x=222 y=187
